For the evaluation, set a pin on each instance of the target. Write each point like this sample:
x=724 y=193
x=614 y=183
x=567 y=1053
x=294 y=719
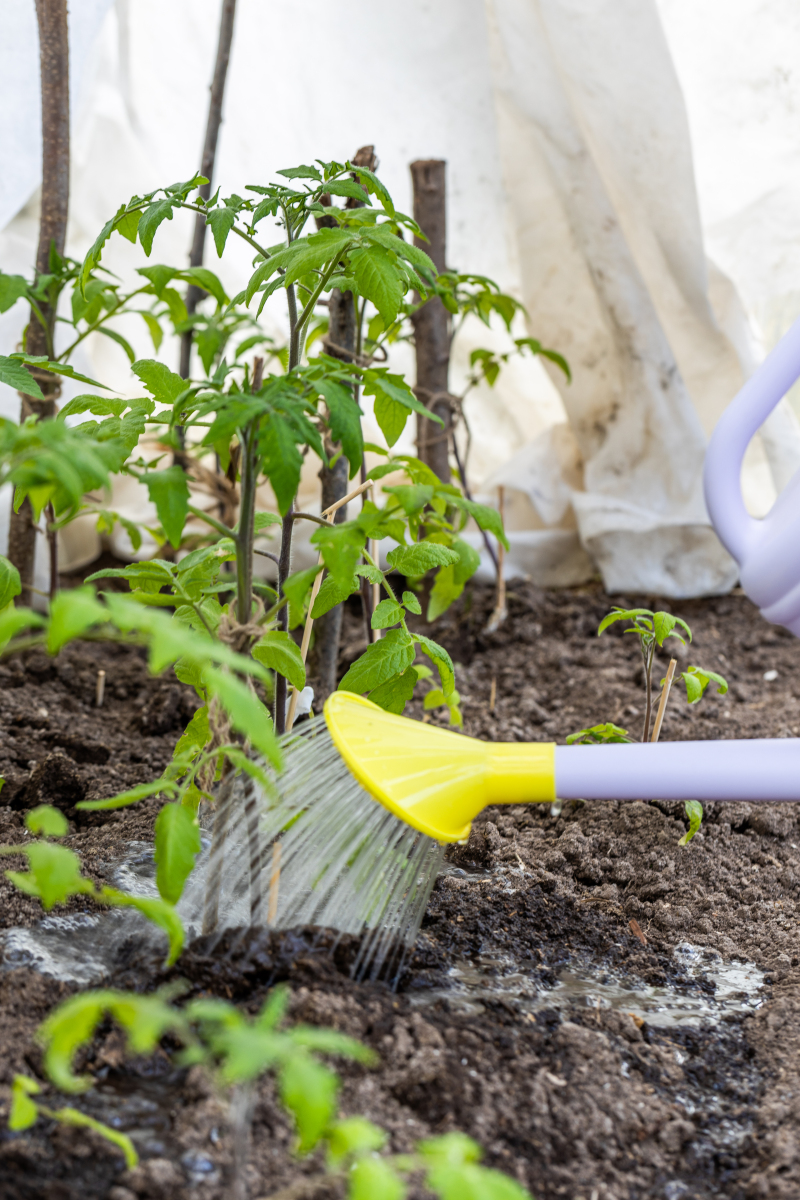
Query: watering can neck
x=743 y=417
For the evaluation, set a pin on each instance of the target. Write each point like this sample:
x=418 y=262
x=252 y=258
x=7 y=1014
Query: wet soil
x=573 y=1097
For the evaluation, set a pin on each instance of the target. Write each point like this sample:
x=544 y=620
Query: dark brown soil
x=574 y=1101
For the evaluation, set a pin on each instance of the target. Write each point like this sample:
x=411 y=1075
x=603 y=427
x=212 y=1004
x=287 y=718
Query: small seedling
x=597 y=735
x=25 y=1112
x=653 y=629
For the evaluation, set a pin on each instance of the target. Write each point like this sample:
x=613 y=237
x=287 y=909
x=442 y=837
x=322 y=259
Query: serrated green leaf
x=297 y=587
x=13 y=373
x=332 y=593
x=393 y=695
x=412 y=603
x=222 y=221
x=370 y=573
x=162 y=383
x=378 y=279
x=345 y=421
x=177 y=844
x=387 y=612
x=380 y=662
x=283 y=461
x=449 y=582
x=441 y=660
x=151 y=218
x=415 y=560
x=279 y=652
x=341 y=547
x=169 y=491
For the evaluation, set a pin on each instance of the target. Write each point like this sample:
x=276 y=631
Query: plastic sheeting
x=570 y=180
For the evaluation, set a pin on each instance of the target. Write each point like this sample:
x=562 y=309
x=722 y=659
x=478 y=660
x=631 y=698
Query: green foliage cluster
x=236 y=1050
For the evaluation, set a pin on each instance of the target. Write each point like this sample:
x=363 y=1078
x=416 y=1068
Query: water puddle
x=711 y=990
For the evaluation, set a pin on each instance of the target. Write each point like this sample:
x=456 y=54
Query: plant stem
x=245 y=530
x=647 y=655
x=284 y=564
x=52 y=545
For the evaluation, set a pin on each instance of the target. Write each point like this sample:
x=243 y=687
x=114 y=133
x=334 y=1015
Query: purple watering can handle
x=742 y=418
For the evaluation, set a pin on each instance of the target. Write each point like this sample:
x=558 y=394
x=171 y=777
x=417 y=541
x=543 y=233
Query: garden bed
x=512 y=1019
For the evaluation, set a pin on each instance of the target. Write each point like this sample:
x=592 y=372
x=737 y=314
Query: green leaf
x=296 y=588
x=664 y=625
x=14 y=374
x=341 y=547
x=73 y=1116
x=301 y=172
x=283 y=461
x=450 y=580
x=195 y=736
x=279 y=652
x=12 y=289
x=380 y=662
x=68 y=1027
x=54 y=874
x=697 y=680
x=246 y=712
x=221 y=221
x=622 y=614
x=309 y=1091
x=164 y=385
x=71 y=614
x=694 y=811
x=140 y=792
x=484 y=517
x=15 y=620
x=353 y=1136
x=345 y=421
x=119 y=339
x=150 y=220
x=156 y=332
x=24 y=1111
x=264 y=520
x=441 y=660
x=128 y=224
x=47 y=820
x=412 y=497
x=160 y=912
x=415 y=560
x=370 y=573
x=332 y=593
x=375 y=1179
x=599 y=734
x=393 y=695
x=177 y=844
x=412 y=603
x=10 y=585
x=378 y=278
x=387 y=613
x=169 y=491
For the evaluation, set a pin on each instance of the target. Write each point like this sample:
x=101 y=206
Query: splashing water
x=346 y=862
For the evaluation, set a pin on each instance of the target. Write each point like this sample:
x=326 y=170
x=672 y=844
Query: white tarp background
x=571 y=181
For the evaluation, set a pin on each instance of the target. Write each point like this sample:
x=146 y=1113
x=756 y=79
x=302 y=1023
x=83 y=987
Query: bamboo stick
x=662 y=704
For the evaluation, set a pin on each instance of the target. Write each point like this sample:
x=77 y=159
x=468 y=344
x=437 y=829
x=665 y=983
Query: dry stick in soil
x=329 y=514
x=194 y=294
x=274 y=884
x=51 y=17
x=662 y=704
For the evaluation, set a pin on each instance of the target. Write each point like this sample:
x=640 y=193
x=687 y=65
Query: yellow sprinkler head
x=435 y=780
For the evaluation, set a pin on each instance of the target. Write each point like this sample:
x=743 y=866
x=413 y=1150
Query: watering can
x=767 y=550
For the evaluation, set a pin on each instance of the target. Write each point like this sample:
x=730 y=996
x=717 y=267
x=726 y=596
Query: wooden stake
x=662 y=704
x=376 y=588
x=101 y=689
x=329 y=514
x=274 y=884
x=493 y=693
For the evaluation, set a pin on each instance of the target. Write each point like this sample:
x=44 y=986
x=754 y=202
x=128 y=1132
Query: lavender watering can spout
x=767 y=550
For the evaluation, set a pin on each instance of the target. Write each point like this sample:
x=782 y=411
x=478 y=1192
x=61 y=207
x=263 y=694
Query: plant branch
x=212 y=521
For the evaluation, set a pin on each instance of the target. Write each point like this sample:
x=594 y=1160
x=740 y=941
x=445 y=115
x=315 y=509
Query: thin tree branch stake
x=101 y=689
x=662 y=704
x=376 y=587
x=329 y=514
